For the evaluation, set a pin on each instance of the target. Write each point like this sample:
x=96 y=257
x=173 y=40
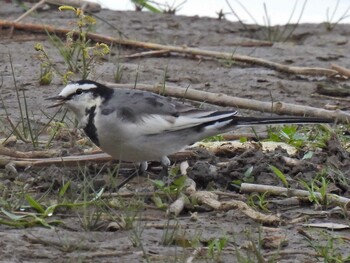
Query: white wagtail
x=138 y=126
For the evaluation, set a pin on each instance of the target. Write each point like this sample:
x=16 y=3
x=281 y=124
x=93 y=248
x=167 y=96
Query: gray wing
x=133 y=105
x=150 y=113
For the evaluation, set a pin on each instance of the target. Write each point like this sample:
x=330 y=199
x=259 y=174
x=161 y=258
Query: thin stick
x=146 y=53
x=221 y=99
x=178 y=49
x=276 y=190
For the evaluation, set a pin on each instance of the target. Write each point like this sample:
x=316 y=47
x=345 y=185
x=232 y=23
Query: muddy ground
x=90 y=234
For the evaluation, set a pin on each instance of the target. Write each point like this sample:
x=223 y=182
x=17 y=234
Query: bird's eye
x=79 y=91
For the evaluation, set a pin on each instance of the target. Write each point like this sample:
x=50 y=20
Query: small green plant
x=79 y=55
x=26 y=220
x=41 y=216
x=157 y=8
x=318 y=190
x=247 y=178
x=174 y=188
x=169 y=192
x=216 y=247
x=328 y=249
x=41 y=211
x=136 y=239
x=300 y=136
x=259 y=200
x=170 y=232
x=118 y=72
x=215 y=138
x=288 y=134
x=140 y=4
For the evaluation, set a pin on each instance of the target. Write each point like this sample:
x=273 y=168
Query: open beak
x=59 y=100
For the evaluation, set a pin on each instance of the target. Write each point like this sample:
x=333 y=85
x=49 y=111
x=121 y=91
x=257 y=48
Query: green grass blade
x=64 y=188
x=12 y=216
x=34 y=204
x=280 y=175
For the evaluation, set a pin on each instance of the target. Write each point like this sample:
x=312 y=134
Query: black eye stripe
x=77 y=92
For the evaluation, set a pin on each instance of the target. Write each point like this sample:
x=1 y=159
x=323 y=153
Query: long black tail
x=240 y=120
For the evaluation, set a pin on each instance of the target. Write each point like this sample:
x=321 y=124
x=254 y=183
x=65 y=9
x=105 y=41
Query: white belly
x=127 y=144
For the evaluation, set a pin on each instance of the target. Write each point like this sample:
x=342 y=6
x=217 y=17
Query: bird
x=140 y=126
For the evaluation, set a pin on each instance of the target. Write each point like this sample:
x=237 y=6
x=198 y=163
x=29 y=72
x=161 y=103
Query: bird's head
x=81 y=95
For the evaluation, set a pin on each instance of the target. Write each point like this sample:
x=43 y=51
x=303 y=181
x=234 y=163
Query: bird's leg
x=142 y=169
x=164 y=173
x=165 y=163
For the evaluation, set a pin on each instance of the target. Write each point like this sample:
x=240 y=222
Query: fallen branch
x=23 y=162
x=343 y=71
x=248 y=211
x=176 y=207
x=221 y=99
x=60 y=161
x=276 y=190
x=206 y=198
x=31 y=154
x=177 y=49
x=210 y=200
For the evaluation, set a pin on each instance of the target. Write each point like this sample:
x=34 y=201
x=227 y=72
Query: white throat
x=82 y=106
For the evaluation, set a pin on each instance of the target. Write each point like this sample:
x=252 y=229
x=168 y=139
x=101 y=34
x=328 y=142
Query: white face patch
x=72 y=88
x=82 y=101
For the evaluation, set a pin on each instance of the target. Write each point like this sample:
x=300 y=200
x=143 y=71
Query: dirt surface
x=143 y=233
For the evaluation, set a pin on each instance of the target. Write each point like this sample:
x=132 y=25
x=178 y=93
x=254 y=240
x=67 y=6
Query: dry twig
x=146 y=54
